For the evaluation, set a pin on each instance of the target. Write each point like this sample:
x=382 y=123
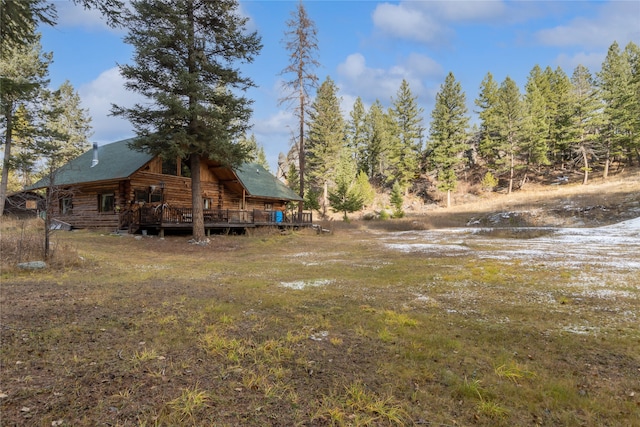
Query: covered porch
x=164 y=217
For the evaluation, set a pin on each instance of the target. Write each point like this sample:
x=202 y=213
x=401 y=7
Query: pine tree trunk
x=585 y=160
x=197 y=214
x=301 y=158
x=7 y=155
x=607 y=162
x=325 y=201
x=48 y=211
x=448 y=198
x=511 y=173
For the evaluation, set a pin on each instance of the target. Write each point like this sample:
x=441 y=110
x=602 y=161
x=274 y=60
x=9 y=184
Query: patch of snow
x=581 y=330
x=301 y=284
x=450 y=249
x=607 y=294
x=302 y=254
x=614 y=246
x=319 y=336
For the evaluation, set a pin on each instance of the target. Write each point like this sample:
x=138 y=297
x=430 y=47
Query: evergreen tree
x=542 y=80
x=357 y=133
x=375 y=151
x=19 y=19
x=24 y=162
x=397 y=200
x=586 y=119
x=634 y=93
x=67 y=118
x=510 y=114
x=326 y=138
x=23 y=77
x=293 y=179
x=406 y=150
x=631 y=120
x=346 y=196
x=301 y=40
x=534 y=145
x=613 y=85
x=560 y=121
x=448 y=134
x=184 y=55
x=487 y=103
x=365 y=188
x=255 y=151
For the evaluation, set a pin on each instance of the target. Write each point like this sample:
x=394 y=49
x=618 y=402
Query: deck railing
x=167 y=216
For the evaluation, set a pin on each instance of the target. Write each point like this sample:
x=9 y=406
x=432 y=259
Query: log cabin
x=115 y=187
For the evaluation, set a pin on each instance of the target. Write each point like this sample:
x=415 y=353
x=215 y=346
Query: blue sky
x=366 y=47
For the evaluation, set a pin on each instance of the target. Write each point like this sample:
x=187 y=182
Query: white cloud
x=593 y=61
x=73 y=15
x=408 y=22
x=619 y=21
x=428 y=21
x=422 y=65
x=278 y=123
x=356 y=78
x=470 y=11
x=98 y=95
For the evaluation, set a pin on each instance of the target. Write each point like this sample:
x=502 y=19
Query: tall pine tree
x=326 y=138
x=448 y=134
x=375 y=151
x=357 y=134
x=586 y=119
x=487 y=103
x=23 y=78
x=406 y=150
x=534 y=145
x=560 y=122
x=184 y=56
x=510 y=117
x=612 y=82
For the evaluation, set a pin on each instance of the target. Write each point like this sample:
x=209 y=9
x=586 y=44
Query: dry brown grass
x=22 y=240
x=301 y=328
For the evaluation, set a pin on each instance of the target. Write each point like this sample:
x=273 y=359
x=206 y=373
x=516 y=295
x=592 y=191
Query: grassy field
x=305 y=329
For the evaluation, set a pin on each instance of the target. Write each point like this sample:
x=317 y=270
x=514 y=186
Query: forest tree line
x=574 y=123
x=571 y=124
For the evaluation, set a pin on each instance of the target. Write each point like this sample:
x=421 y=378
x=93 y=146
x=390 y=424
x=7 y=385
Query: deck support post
x=161 y=234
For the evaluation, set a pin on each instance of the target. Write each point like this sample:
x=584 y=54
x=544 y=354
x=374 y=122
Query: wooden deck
x=164 y=217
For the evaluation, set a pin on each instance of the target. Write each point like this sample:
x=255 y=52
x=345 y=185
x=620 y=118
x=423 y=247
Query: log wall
x=85 y=207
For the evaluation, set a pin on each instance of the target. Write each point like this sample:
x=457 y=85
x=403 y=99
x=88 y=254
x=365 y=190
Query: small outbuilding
x=24 y=204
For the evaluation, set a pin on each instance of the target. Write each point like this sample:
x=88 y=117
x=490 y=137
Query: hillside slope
x=601 y=202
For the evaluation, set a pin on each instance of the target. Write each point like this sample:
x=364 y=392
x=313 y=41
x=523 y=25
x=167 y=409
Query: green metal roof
x=115 y=161
x=260 y=182
x=118 y=161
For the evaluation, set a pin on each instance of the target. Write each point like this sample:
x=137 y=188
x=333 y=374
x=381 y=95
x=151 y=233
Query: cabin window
x=268 y=206
x=176 y=168
x=207 y=203
x=106 y=202
x=66 y=205
x=155 y=194
x=141 y=196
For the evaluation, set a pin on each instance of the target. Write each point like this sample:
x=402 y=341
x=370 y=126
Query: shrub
x=489 y=182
